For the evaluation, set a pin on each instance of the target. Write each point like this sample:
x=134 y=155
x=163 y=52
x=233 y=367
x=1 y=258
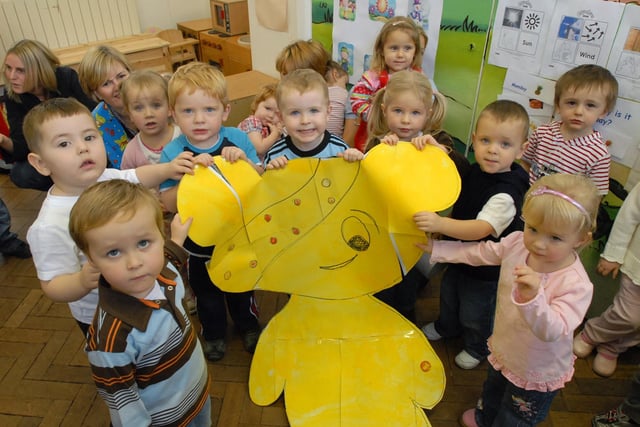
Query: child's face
x=267 y=111
x=72 y=152
x=149 y=111
x=550 y=248
x=305 y=116
x=580 y=109
x=406 y=115
x=200 y=117
x=497 y=143
x=398 y=51
x=129 y=252
x=109 y=90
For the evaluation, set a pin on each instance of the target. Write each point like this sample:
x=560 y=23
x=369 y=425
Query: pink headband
x=546 y=190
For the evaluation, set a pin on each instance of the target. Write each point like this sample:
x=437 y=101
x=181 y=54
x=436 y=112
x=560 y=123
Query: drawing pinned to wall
x=347 y=10
x=582 y=32
x=381 y=10
x=346 y=57
x=624 y=60
x=519 y=31
x=366 y=63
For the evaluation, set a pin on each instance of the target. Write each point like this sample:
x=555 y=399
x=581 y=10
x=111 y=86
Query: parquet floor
x=45 y=379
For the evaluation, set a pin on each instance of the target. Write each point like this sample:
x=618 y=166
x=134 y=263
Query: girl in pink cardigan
x=543 y=295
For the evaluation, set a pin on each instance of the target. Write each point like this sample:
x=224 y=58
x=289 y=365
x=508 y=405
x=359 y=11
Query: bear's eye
x=355 y=234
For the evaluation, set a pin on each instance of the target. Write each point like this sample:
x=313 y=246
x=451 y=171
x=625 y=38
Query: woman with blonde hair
x=32 y=74
x=102 y=71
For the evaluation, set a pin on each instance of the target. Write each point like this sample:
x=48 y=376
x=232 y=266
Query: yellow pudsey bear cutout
x=329 y=233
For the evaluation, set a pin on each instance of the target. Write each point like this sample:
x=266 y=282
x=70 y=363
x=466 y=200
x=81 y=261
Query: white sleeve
x=499 y=212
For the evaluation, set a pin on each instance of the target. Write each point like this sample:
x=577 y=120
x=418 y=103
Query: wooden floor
x=45 y=379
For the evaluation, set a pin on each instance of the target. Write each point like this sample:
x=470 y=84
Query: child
x=618 y=328
x=66 y=145
x=543 y=294
x=146 y=360
x=337 y=79
x=303 y=101
x=627 y=413
x=488 y=208
x=395 y=49
x=144 y=95
x=583 y=95
x=263 y=125
x=199 y=104
x=312 y=54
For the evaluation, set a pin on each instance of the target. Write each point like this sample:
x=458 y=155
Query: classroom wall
x=163 y=14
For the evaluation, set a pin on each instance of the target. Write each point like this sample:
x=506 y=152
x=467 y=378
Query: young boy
x=488 y=208
x=583 y=95
x=146 y=360
x=199 y=104
x=303 y=101
x=66 y=145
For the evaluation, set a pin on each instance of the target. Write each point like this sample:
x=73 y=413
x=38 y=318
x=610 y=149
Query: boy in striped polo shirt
x=583 y=95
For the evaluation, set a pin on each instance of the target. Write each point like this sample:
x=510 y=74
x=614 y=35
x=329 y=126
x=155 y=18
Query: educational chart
x=581 y=32
x=356 y=24
x=519 y=33
x=624 y=61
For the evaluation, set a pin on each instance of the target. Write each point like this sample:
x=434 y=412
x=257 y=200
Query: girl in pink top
x=543 y=295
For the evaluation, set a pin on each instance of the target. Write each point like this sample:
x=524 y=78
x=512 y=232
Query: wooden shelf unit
x=225 y=52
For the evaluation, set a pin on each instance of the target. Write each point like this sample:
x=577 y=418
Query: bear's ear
x=412 y=180
x=213 y=198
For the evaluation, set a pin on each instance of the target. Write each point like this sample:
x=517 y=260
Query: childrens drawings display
x=330 y=233
x=624 y=61
x=357 y=23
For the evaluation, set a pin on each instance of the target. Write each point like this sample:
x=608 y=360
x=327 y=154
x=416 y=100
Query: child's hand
x=528 y=283
x=351 y=155
x=278 y=163
x=179 y=229
x=89 y=275
x=429 y=222
x=233 y=154
x=181 y=164
x=423 y=140
x=427 y=247
x=275 y=129
x=390 y=139
x=204 y=159
x=605 y=267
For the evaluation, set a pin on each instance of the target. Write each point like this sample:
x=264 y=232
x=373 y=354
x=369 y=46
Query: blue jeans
x=505 y=405
x=203 y=419
x=467 y=308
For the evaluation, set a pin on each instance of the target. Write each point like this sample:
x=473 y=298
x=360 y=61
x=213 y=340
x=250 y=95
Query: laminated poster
x=624 y=61
x=519 y=33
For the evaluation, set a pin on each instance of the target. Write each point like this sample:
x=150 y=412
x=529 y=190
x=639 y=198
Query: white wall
x=163 y=14
x=267 y=44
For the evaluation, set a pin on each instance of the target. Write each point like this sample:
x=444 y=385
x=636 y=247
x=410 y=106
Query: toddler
x=543 y=294
x=263 y=125
x=337 y=79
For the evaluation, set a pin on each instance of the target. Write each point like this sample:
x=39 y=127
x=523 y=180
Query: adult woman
x=32 y=74
x=101 y=72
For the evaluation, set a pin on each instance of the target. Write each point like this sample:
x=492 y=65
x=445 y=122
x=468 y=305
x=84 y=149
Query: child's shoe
x=466 y=361
x=604 y=364
x=214 y=350
x=250 y=340
x=430 y=332
x=468 y=418
x=613 y=418
x=581 y=348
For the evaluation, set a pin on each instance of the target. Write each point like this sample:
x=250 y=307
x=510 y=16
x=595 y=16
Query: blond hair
x=267 y=91
x=198 y=75
x=553 y=210
x=399 y=83
x=303 y=80
x=50 y=109
x=397 y=23
x=588 y=76
x=102 y=202
x=504 y=110
x=142 y=80
x=96 y=65
x=40 y=65
x=303 y=54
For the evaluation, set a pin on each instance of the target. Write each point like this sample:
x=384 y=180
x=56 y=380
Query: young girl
x=263 y=125
x=618 y=327
x=144 y=95
x=543 y=295
x=396 y=48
